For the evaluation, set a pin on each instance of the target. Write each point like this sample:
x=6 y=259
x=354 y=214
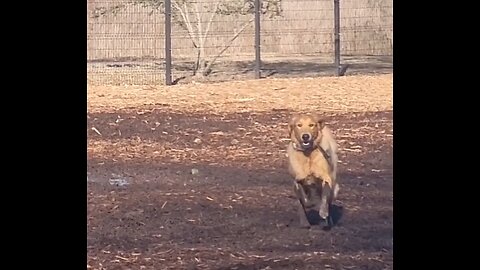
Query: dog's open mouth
x=306 y=144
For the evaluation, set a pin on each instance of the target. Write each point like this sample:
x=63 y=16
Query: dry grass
x=331 y=95
x=327 y=94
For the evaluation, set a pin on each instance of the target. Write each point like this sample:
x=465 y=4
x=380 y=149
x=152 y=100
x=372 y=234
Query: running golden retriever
x=312 y=161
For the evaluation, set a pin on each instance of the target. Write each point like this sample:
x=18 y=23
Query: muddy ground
x=210 y=190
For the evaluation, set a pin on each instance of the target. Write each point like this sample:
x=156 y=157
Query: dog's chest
x=313 y=160
x=309 y=162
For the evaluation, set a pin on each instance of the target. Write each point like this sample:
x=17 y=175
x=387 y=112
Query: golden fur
x=315 y=161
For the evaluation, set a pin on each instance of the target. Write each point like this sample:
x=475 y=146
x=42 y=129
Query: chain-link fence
x=216 y=40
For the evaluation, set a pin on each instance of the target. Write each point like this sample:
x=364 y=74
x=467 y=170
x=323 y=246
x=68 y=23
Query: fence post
x=336 y=11
x=168 y=42
x=257 y=39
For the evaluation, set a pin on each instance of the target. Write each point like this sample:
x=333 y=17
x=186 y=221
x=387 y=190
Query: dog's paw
x=323 y=210
x=328 y=223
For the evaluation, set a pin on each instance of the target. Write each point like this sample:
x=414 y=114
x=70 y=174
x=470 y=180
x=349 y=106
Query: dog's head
x=306 y=130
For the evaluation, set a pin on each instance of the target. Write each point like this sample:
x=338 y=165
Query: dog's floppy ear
x=319 y=120
x=291 y=123
x=321 y=123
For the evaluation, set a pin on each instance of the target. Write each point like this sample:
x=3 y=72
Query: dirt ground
x=152 y=71
x=194 y=176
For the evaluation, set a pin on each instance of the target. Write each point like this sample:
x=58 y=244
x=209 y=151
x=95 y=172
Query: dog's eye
x=311 y=125
x=299 y=125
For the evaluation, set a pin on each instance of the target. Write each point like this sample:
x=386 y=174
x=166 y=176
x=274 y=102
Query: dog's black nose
x=306 y=137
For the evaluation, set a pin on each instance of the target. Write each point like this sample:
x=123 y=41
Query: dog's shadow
x=336 y=213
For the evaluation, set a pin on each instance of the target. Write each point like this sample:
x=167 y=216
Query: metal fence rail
x=156 y=41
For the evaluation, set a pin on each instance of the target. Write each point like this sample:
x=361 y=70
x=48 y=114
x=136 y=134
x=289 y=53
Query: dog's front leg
x=325 y=201
x=302 y=215
x=322 y=173
x=298 y=165
x=302 y=198
x=327 y=183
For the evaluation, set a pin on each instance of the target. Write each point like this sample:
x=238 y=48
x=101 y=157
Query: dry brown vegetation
x=330 y=94
x=208 y=186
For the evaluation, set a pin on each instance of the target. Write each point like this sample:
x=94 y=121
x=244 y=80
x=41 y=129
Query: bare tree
x=196 y=17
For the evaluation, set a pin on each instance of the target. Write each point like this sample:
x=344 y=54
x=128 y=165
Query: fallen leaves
x=96 y=131
x=352 y=93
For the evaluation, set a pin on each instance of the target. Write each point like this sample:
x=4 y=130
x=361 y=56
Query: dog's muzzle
x=306 y=140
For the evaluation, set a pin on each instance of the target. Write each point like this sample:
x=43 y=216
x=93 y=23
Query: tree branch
x=211 y=19
x=190 y=31
x=229 y=43
x=199 y=26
